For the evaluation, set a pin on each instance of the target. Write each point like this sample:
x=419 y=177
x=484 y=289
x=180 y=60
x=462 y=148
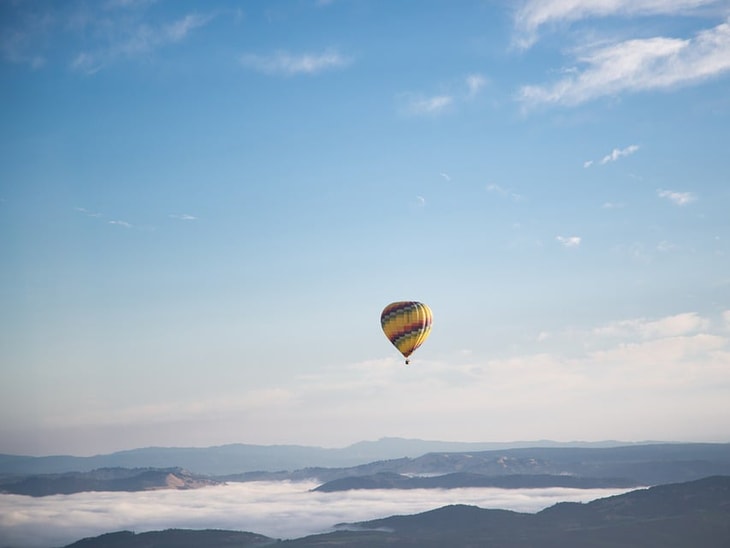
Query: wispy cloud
x=183 y=217
x=128 y=40
x=501 y=191
x=617 y=153
x=569 y=241
x=179 y=30
x=19 y=44
x=474 y=84
x=678 y=198
x=429 y=106
x=87 y=212
x=286 y=63
x=670 y=326
x=665 y=247
x=534 y=14
x=446 y=176
x=124 y=224
x=420 y=104
x=671 y=368
x=637 y=65
x=612 y=205
x=614 y=155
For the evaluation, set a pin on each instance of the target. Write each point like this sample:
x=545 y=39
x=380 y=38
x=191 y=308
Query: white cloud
x=419 y=106
x=87 y=212
x=588 y=163
x=612 y=205
x=127 y=40
x=87 y=63
x=290 y=64
x=179 y=30
x=672 y=375
x=497 y=189
x=125 y=224
x=638 y=65
x=665 y=246
x=475 y=83
x=670 y=326
x=678 y=198
x=420 y=201
x=184 y=217
x=446 y=176
x=534 y=14
x=15 y=47
x=617 y=153
x=274 y=509
x=127 y=4
x=569 y=241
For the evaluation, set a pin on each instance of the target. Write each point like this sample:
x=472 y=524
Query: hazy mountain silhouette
x=636 y=464
x=105 y=479
x=685 y=515
x=238 y=458
x=624 y=466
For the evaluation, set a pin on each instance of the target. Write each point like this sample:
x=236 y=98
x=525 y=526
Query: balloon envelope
x=407 y=324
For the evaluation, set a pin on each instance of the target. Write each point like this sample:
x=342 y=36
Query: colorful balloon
x=407 y=324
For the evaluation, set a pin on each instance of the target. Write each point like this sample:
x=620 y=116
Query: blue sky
x=205 y=206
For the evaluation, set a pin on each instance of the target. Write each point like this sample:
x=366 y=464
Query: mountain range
x=239 y=458
x=578 y=467
x=651 y=464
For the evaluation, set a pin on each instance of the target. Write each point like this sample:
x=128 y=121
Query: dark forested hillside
x=684 y=515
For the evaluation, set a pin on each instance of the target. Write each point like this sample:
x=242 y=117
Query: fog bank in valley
x=275 y=509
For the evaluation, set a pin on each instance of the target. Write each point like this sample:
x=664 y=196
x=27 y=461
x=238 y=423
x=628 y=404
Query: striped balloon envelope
x=407 y=325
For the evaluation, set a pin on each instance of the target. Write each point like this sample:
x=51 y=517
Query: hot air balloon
x=406 y=324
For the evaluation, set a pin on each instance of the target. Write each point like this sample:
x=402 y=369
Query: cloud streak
x=637 y=65
x=534 y=14
x=475 y=83
x=671 y=326
x=617 y=153
x=419 y=106
x=131 y=40
x=275 y=509
x=569 y=241
x=677 y=198
x=501 y=191
x=289 y=64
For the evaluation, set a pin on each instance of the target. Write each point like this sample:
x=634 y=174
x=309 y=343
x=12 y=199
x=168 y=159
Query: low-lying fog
x=275 y=509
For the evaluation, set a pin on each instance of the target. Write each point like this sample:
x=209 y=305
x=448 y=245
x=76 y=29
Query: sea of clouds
x=275 y=509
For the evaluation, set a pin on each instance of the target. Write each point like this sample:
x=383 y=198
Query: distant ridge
x=239 y=458
x=105 y=479
x=630 y=465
